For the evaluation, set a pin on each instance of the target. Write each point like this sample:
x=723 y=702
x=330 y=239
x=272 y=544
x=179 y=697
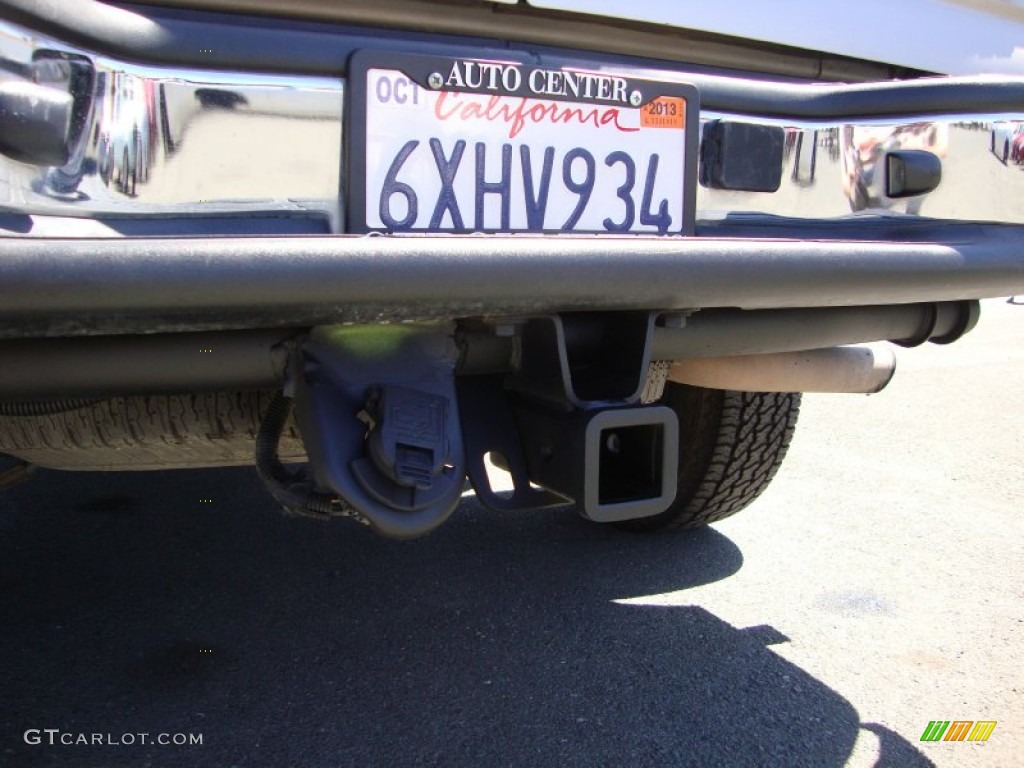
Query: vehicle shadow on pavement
x=185 y=603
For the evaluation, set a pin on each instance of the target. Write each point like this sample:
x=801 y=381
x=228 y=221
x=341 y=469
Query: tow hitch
x=394 y=418
x=568 y=418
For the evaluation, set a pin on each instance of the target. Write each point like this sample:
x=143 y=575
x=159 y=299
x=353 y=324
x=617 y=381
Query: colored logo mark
x=958 y=730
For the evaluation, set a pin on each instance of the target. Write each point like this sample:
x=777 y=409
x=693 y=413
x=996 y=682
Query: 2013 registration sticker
x=475 y=145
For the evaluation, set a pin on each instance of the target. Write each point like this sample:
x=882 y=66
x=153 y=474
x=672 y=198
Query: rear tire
x=731 y=446
x=143 y=432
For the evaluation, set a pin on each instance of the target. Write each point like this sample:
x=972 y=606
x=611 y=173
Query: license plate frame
x=613 y=97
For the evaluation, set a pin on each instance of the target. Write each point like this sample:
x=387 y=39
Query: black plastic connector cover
x=911 y=172
x=741 y=156
x=408 y=443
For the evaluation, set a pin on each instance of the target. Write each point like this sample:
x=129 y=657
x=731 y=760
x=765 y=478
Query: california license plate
x=459 y=145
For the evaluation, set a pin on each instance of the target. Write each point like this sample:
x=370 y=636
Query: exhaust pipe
x=860 y=368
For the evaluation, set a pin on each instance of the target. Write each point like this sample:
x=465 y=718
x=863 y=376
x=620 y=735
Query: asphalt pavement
x=876 y=586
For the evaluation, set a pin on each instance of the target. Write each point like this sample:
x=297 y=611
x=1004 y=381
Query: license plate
x=458 y=145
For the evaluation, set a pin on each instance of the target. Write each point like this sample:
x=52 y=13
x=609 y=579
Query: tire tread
x=147 y=432
x=732 y=445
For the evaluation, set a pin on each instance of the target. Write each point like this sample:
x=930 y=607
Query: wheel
x=731 y=446
x=1006 y=150
x=203 y=429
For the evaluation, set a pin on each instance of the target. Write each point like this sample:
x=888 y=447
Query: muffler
x=857 y=368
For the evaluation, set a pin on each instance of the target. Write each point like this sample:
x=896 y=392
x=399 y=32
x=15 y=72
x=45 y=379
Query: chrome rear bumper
x=206 y=158
x=150 y=141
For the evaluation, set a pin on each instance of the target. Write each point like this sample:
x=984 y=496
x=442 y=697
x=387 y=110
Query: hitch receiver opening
x=617 y=464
